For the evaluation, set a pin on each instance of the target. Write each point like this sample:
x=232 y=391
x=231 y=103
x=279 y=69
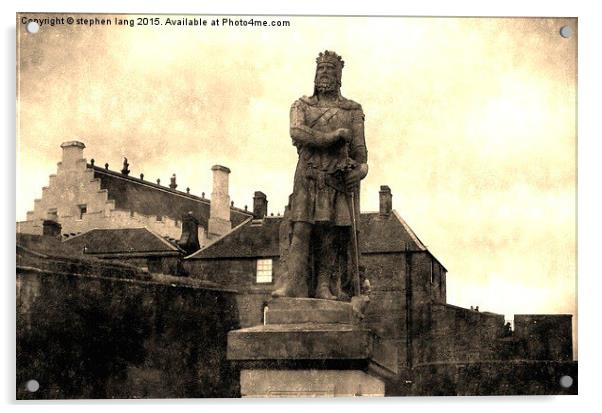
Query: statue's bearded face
x=326 y=78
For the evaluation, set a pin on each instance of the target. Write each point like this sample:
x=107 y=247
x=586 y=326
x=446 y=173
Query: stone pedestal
x=306 y=348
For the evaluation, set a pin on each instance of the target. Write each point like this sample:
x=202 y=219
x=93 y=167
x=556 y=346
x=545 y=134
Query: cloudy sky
x=470 y=121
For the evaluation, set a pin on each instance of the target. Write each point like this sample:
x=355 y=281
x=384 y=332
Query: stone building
x=82 y=196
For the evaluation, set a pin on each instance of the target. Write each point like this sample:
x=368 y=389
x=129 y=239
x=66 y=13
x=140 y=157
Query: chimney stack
x=189 y=240
x=260 y=205
x=73 y=151
x=219 y=212
x=51 y=228
x=386 y=200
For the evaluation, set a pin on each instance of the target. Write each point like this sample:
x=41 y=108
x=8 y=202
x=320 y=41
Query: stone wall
x=462 y=335
x=240 y=275
x=545 y=336
x=519 y=377
x=86 y=329
x=171 y=265
x=385 y=314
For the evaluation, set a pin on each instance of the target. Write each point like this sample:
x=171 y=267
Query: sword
x=356 y=252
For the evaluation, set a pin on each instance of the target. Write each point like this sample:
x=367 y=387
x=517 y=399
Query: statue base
x=306 y=348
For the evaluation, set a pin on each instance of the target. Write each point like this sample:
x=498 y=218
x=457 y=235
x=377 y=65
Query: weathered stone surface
x=307 y=304
x=327 y=131
x=92 y=329
x=309 y=383
x=309 y=310
x=300 y=342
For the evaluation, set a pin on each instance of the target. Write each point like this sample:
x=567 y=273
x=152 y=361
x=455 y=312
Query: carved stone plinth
x=306 y=348
x=309 y=310
x=300 y=342
x=309 y=383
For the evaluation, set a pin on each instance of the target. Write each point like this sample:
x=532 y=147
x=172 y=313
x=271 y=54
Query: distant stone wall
x=519 y=377
x=108 y=331
x=462 y=335
x=545 y=336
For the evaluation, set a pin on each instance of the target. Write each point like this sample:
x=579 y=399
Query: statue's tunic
x=319 y=189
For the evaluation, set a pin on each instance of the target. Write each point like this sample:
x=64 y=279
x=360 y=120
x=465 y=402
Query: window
x=82 y=210
x=264 y=271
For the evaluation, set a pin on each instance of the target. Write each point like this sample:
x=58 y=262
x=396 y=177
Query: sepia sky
x=470 y=121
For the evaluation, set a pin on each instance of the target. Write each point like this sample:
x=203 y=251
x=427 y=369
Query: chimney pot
x=260 y=205
x=385 y=200
x=220 y=168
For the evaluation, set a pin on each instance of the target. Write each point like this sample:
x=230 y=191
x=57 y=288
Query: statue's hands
x=344 y=133
x=354 y=176
x=340 y=133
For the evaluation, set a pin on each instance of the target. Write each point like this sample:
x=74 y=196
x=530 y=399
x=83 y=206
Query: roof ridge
x=222 y=237
x=163 y=240
x=409 y=230
x=149 y=184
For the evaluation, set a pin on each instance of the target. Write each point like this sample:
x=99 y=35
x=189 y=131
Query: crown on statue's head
x=332 y=58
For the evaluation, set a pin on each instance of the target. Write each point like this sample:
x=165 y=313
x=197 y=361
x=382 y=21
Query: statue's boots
x=292 y=286
x=323 y=287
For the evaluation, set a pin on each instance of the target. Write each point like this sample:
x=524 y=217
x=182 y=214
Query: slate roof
x=121 y=241
x=253 y=240
x=148 y=198
x=46 y=245
x=29 y=258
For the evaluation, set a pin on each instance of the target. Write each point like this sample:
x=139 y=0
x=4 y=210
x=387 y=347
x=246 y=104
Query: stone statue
x=322 y=253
